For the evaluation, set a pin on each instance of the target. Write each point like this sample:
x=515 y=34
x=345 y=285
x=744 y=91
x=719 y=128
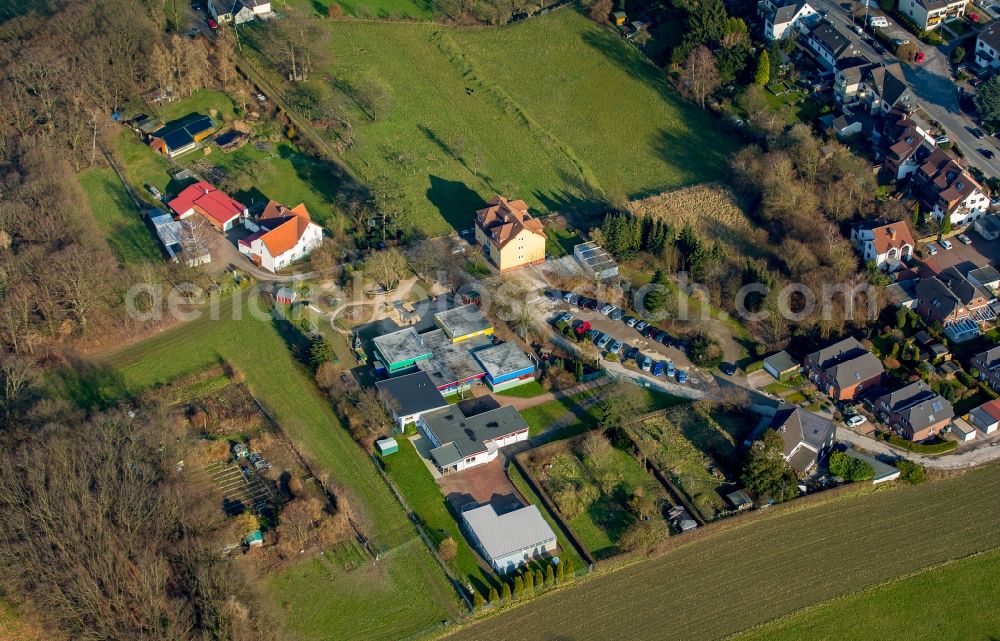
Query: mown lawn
x=525 y=390
x=755 y=569
x=202 y=102
x=130 y=238
x=420 y=490
x=900 y=610
x=554 y=110
x=410 y=590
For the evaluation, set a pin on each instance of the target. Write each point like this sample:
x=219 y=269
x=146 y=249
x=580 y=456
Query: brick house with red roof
x=510 y=237
x=888 y=245
x=217 y=207
x=283 y=236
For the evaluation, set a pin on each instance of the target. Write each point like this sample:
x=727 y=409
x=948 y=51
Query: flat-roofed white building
x=510 y=539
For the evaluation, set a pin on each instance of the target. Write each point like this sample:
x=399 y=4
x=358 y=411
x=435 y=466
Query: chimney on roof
x=892 y=232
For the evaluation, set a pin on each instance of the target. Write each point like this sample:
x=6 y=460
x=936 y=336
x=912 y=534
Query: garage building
x=508 y=540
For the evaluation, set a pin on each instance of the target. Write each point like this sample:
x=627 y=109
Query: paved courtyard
x=482 y=484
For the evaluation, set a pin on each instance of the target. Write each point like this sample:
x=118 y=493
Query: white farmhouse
x=988 y=48
x=282 y=236
x=887 y=245
x=459 y=442
x=782 y=19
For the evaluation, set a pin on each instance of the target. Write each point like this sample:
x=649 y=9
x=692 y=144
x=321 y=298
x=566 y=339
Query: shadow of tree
x=90 y=386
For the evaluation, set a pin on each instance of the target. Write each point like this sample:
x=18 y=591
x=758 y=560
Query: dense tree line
x=625 y=234
x=103 y=539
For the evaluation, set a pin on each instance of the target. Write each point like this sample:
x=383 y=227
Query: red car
x=919 y=58
x=974 y=17
x=583 y=328
x=212 y=24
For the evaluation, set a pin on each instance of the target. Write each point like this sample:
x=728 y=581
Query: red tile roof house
x=947 y=189
x=915 y=412
x=887 y=245
x=283 y=236
x=844 y=370
x=510 y=237
x=222 y=211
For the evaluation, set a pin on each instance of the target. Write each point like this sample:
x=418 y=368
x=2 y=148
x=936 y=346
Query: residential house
x=222 y=211
x=885 y=89
x=947 y=189
x=988 y=364
x=909 y=145
x=181 y=136
x=988 y=226
x=510 y=237
x=510 y=539
x=830 y=45
x=782 y=19
x=915 y=412
x=283 y=236
x=848 y=76
x=987 y=52
x=238 y=11
x=986 y=277
x=887 y=245
x=986 y=417
x=807 y=437
x=928 y=14
x=408 y=397
x=459 y=442
x=844 y=369
x=506 y=366
x=956 y=303
x=781 y=365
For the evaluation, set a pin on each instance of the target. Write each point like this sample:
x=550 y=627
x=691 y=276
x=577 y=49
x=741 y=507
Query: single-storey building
x=986 y=417
x=988 y=226
x=408 y=397
x=883 y=471
x=511 y=539
x=739 y=500
x=459 y=442
x=506 y=366
x=987 y=277
x=595 y=260
x=463 y=323
x=217 y=207
x=962 y=430
x=781 y=365
x=401 y=350
x=452 y=367
x=286 y=296
x=181 y=136
x=386 y=446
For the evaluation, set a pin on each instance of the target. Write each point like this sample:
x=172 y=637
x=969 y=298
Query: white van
x=878 y=21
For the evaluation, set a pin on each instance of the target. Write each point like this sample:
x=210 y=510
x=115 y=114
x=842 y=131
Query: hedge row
x=920 y=448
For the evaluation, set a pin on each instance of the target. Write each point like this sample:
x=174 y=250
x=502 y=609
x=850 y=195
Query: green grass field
x=756 y=570
x=414 y=481
x=942 y=604
x=404 y=9
x=202 y=102
x=554 y=110
x=525 y=390
x=131 y=240
x=409 y=577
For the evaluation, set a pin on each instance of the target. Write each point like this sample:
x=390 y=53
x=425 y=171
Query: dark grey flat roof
x=402 y=345
x=781 y=361
x=451 y=362
x=503 y=359
x=468 y=433
x=462 y=321
x=411 y=394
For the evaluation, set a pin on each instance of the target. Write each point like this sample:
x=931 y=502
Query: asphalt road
x=931 y=82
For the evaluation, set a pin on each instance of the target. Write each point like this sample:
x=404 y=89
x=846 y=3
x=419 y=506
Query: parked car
x=987 y=153
x=978 y=133
x=616 y=347
x=667 y=339
x=650 y=331
x=641 y=325
x=931 y=249
x=660 y=335
x=564 y=318
x=607 y=308
x=878 y=21
x=593 y=334
x=212 y=24
x=630 y=321
x=603 y=341
x=856 y=420
x=946 y=243
x=571 y=298
x=942 y=140
x=671 y=370
x=658 y=368
x=592 y=305
x=647 y=362
x=581 y=302
x=919 y=57
x=965 y=239
x=583 y=328
x=899 y=42
x=616 y=313
x=728 y=369
x=879 y=49
x=682 y=376
x=632 y=353
x=156 y=192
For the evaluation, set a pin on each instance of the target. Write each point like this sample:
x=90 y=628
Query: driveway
x=931 y=82
x=955 y=461
x=980 y=252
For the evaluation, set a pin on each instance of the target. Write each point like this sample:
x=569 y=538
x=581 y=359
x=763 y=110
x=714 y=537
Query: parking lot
x=980 y=252
x=632 y=338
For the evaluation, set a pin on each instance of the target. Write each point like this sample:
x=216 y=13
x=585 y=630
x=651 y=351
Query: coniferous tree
x=494 y=597
x=763 y=75
x=561 y=572
x=539 y=579
x=550 y=576
x=529 y=582
x=518 y=587
x=505 y=592
x=477 y=601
